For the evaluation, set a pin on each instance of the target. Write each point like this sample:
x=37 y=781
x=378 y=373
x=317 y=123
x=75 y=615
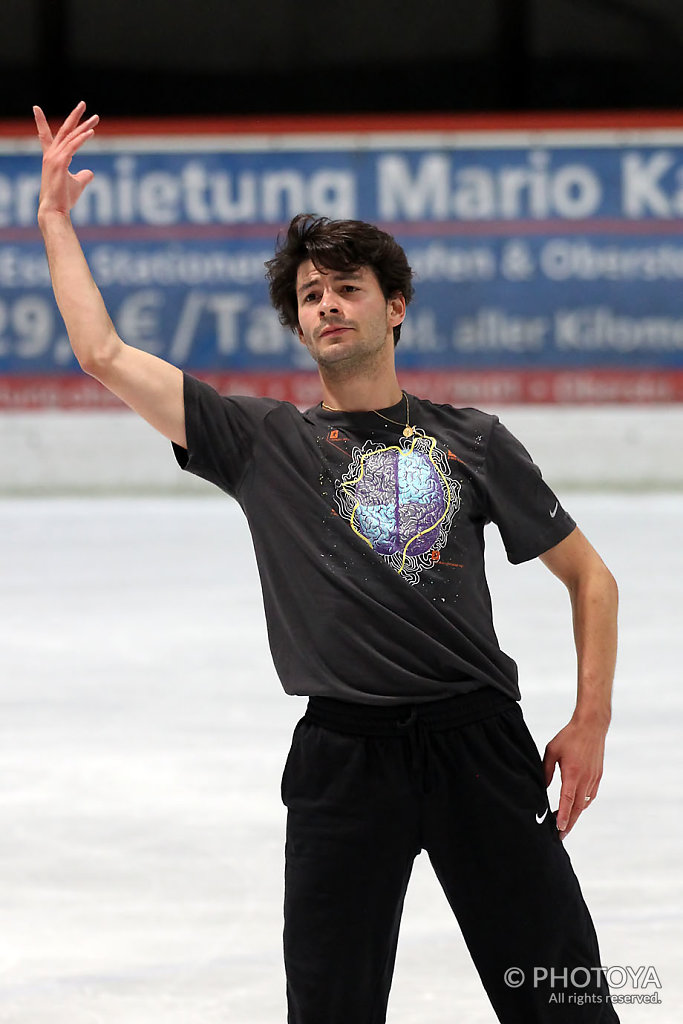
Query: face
x=344 y=318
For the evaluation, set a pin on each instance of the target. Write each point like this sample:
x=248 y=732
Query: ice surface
x=143 y=734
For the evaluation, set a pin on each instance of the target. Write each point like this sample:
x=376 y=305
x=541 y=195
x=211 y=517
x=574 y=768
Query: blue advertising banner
x=548 y=264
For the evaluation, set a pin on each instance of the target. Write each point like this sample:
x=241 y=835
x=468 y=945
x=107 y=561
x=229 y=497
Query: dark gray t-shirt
x=369 y=544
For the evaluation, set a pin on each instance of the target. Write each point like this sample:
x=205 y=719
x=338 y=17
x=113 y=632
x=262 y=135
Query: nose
x=328 y=303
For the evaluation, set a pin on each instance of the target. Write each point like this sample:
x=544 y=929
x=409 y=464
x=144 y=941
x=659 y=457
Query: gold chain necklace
x=408 y=431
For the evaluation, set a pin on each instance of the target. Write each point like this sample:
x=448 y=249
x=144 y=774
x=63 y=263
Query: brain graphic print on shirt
x=401 y=500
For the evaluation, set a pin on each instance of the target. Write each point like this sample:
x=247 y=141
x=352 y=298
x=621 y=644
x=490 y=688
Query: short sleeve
x=220 y=433
x=526 y=511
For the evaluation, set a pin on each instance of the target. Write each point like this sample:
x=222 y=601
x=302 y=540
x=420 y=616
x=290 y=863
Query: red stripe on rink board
x=343 y=123
x=472 y=387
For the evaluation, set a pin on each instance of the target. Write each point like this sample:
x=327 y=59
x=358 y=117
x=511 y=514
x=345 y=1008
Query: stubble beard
x=351 y=364
x=362 y=358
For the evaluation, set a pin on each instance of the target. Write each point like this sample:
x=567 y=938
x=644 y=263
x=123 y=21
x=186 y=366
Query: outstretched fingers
x=71 y=133
x=60 y=189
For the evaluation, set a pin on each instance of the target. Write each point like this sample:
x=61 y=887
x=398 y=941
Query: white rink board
x=142 y=739
x=621 y=447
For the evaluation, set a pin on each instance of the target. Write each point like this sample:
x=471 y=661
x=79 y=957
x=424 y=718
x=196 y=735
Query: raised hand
x=59 y=188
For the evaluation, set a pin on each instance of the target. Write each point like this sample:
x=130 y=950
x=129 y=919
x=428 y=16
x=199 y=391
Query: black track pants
x=366 y=789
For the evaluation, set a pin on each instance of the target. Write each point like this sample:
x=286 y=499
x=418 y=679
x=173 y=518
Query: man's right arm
x=149 y=385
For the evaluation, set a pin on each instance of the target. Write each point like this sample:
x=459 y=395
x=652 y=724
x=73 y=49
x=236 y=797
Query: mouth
x=333 y=330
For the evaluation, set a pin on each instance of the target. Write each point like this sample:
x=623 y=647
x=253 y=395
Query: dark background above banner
x=146 y=57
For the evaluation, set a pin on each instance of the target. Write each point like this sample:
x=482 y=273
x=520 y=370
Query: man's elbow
x=603 y=585
x=98 y=360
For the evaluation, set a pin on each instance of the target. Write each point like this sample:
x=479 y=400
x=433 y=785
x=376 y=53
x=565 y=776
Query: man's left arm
x=579 y=747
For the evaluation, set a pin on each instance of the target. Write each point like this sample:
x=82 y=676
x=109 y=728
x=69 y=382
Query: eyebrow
x=336 y=275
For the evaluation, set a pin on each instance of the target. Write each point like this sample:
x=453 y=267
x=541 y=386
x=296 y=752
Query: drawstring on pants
x=415 y=731
x=413 y=721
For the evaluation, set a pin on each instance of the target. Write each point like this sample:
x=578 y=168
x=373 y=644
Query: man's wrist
x=51 y=218
x=597 y=715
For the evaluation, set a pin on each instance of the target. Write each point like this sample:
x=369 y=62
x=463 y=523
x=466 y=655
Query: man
x=367 y=514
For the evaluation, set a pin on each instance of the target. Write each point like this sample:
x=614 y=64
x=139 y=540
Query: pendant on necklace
x=408 y=431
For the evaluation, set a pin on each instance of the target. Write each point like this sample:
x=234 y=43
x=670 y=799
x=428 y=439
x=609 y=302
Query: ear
x=396 y=309
x=300 y=335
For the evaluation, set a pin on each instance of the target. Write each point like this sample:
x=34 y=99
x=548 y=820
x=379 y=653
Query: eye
x=308 y=296
x=350 y=288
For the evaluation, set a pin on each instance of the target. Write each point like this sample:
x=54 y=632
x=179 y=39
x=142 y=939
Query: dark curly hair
x=335 y=245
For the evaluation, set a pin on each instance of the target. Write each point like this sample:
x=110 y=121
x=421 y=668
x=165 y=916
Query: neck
x=360 y=394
